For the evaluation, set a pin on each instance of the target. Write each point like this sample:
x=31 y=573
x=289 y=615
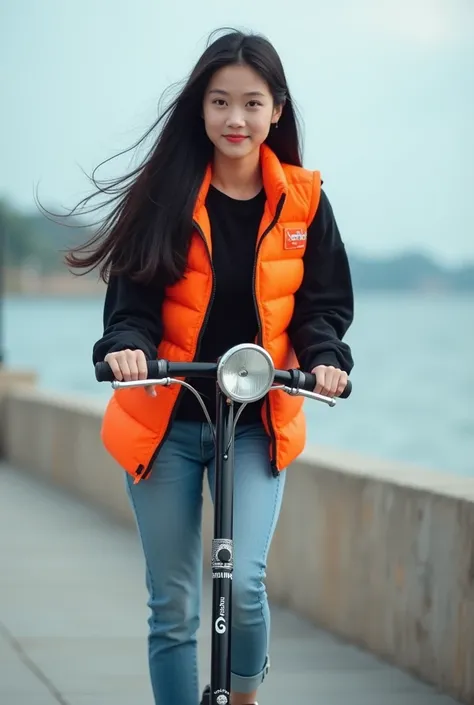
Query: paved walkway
x=73 y=619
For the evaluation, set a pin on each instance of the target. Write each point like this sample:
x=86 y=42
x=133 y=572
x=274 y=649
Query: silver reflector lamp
x=245 y=373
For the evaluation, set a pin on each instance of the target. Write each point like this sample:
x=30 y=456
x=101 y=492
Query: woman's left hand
x=330 y=381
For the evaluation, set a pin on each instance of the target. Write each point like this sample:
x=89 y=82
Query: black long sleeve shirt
x=323 y=304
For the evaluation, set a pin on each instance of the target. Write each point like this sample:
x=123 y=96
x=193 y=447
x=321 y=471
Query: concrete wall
x=382 y=554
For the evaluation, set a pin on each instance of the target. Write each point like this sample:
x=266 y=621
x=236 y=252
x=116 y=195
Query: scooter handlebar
x=159 y=369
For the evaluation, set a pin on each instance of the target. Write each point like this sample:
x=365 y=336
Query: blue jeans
x=167 y=508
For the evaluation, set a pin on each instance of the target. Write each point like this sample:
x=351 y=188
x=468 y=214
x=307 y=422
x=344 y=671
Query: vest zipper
x=213 y=292
x=279 y=208
x=198 y=347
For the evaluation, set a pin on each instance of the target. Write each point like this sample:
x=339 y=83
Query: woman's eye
x=221 y=102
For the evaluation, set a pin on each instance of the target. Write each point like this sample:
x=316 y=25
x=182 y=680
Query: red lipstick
x=235 y=138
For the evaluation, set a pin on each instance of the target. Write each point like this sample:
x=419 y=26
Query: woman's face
x=238 y=111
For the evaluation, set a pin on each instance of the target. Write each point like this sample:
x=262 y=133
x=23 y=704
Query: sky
x=385 y=89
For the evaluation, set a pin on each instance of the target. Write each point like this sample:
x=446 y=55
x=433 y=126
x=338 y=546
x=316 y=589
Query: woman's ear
x=277 y=113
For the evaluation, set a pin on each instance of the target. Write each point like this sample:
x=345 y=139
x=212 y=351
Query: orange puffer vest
x=135 y=425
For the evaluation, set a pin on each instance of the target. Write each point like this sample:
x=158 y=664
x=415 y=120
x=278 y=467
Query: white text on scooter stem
x=220 y=625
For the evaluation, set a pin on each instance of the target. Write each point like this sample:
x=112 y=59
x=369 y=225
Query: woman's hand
x=129 y=365
x=330 y=381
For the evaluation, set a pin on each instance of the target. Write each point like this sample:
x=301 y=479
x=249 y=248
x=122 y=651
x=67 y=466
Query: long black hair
x=146 y=232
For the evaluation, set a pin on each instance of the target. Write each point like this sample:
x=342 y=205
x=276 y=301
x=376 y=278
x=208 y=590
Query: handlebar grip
x=310 y=384
x=103 y=371
x=309 y=381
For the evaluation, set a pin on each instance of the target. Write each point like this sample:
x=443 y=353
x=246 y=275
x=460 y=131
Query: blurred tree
x=31 y=236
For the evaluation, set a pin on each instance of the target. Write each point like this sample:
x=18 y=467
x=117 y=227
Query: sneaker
x=206 y=696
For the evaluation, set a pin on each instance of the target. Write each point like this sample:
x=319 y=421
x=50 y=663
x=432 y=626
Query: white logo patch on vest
x=295 y=238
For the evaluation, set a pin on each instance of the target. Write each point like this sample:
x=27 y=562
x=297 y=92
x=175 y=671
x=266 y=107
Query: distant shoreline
x=27 y=282
x=34 y=265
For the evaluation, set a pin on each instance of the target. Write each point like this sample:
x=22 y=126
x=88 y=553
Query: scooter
x=244 y=374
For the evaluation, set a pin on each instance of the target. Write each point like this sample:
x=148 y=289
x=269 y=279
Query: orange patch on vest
x=295 y=239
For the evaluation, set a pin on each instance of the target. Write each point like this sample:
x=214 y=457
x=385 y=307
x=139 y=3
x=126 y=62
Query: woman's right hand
x=129 y=365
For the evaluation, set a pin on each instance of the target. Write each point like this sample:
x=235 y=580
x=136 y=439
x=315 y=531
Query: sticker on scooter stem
x=220 y=625
x=222 y=554
x=222 y=700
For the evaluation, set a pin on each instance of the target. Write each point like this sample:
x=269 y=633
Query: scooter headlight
x=245 y=373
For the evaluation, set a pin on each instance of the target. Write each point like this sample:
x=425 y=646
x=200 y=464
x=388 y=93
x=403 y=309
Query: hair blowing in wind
x=149 y=211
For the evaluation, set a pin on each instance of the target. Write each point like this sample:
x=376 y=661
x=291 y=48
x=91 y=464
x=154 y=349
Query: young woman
x=220 y=237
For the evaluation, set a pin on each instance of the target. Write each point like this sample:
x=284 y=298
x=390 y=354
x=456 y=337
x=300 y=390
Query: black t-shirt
x=232 y=317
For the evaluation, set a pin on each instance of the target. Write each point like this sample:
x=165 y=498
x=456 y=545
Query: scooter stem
x=222 y=562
